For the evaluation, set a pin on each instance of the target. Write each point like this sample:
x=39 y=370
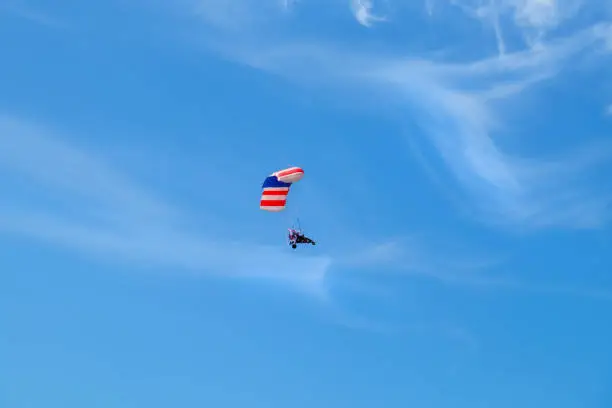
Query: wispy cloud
x=415 y=257
x=489 y=13
x=72 y=198
x=66 y=196
x=364 y=13
x=538 y=17
x=453 y=264
x=380 y=272
x=240 y=16
x=443 y=329
x=462 y=106
x=533 y=18
x=63 y=195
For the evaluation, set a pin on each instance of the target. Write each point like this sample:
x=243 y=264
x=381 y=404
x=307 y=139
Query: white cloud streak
x=534 y=18
x=239 y=16
x=364 y=14
x=107 y=215
x=455 y=264
x=111 y=218
x=459 y=105
x=458 y=102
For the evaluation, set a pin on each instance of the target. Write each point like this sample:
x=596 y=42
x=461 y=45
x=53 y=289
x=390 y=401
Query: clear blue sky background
x=458 y=183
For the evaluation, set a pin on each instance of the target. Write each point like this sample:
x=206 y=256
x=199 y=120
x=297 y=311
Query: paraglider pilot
x=296 y=237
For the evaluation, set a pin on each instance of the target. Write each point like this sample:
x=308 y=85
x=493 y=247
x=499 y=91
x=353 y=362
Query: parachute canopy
x=276 y=188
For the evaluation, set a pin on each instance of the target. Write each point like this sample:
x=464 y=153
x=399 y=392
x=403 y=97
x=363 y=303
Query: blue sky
x=457 y=158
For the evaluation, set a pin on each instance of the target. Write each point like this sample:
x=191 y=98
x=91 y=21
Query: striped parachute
x=276 y=187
